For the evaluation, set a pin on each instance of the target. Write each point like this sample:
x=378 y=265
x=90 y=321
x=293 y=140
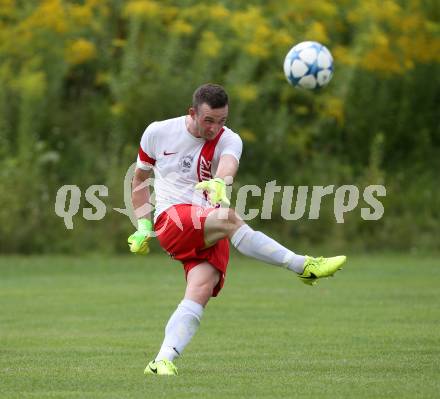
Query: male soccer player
x=193 y=156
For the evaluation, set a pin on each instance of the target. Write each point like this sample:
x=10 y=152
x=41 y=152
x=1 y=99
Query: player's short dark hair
x=212 y=94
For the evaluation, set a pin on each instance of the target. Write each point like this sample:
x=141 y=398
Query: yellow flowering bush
x=142 y=8
x=80 y=51
x=210 y=45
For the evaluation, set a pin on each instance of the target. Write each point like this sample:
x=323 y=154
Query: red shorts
x=179 y=230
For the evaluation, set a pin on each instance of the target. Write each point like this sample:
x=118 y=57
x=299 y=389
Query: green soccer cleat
x=161 y=367
x=315 y=268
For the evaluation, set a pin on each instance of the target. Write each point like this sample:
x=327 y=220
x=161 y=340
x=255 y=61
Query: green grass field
x=86 y=327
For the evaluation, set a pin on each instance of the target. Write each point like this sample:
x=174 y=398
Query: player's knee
x=234 y=221
x=229 y=220
x=222 y=223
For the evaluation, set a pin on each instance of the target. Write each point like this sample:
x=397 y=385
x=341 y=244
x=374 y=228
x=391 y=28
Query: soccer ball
x=308 y=65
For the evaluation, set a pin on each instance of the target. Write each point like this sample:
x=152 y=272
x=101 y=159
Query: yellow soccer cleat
x=315 y=268
x=161 y=367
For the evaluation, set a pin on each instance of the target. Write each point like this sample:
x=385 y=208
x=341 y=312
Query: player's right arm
x=140 y=195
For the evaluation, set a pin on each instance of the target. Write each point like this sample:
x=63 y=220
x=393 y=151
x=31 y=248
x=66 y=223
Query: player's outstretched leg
x=226 y=223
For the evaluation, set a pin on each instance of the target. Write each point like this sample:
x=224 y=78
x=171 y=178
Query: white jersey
x=180 y=161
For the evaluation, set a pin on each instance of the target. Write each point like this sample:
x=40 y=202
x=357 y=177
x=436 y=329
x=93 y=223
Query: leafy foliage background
x=80 y=81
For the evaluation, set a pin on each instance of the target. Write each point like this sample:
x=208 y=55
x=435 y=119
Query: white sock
x=259 y=246
x=180 y=328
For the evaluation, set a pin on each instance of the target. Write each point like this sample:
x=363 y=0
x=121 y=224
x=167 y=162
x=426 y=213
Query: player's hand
x=138 y=241
x=216 y=189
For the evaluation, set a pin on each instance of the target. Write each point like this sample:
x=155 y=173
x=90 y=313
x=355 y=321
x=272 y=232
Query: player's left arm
x=216 y=187
x=227 y=168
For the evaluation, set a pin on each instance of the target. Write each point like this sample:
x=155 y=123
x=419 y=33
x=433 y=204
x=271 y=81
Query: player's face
x=208 y=121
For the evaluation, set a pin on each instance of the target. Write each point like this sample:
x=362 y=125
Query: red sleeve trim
x=146 y=158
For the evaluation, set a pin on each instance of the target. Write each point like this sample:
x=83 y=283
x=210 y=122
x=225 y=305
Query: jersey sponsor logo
x=169 y=153
x=205 y=158
x=205 y=169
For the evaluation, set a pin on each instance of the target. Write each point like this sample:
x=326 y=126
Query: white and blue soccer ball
x=308 y=65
